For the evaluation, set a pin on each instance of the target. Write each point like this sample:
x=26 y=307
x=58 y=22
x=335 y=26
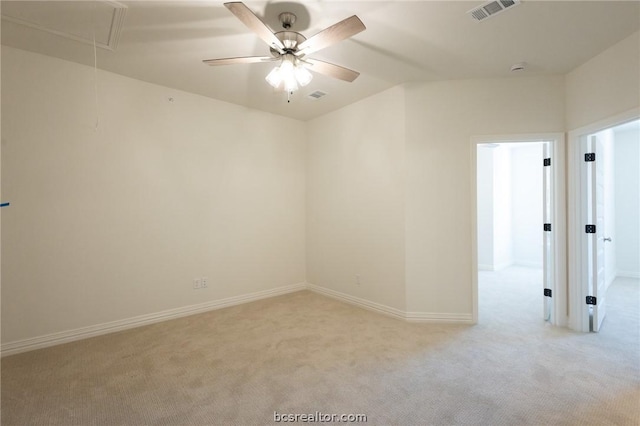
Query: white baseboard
x=494 y=267
x=53 y=339
x=366 y=304
x=528 y=264
x=524 y=263
x=396 y=313
x=439 y=317
x=628 y=274
x=12 y=348
x=501 y=266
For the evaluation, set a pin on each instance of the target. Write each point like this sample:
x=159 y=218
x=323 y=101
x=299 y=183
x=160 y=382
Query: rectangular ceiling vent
x=491 y=8
x=316 y=95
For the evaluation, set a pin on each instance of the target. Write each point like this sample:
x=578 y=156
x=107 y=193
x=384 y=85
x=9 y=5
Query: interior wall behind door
x=509 y=205
x=627 y=200
x=495 y=242
x=485 y=207
x=527 y=201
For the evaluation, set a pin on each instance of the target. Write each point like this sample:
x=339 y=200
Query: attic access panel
x=76 y=20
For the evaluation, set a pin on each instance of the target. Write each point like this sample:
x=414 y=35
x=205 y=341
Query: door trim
x=578 y=310
x=559 y=218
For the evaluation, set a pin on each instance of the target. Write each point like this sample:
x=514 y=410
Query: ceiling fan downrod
x=287 y=19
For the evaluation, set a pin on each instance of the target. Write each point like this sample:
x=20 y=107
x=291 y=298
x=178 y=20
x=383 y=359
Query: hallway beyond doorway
x=510 y=297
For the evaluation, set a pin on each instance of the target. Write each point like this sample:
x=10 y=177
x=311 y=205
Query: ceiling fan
x=291 y=48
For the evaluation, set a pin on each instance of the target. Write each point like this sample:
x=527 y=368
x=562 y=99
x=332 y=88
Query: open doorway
x=549 y=300
x=610 y=245
x=510 y=217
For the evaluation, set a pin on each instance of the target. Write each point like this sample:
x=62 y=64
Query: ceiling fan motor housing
x=290 y=39
x=291 y=47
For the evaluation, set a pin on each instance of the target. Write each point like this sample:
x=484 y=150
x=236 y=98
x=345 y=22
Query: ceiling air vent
x=316 y=95
x=491 y=8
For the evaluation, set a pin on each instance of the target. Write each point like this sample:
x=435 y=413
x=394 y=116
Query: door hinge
x=547 y=162
x=590 y=229
x=590 y=156
x=547 y=292
x=592 y=300
x=547 y=227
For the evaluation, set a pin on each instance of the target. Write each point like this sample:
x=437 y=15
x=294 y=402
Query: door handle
x=607 y=239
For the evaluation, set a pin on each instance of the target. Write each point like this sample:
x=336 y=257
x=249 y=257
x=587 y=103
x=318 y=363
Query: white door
x=547 y=238
x=594 y=230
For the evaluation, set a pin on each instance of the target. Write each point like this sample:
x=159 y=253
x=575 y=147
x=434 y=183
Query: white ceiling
x=164 y=42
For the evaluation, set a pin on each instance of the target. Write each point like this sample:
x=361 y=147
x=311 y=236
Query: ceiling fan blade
x=332 y=70
x=335 y=33
x=239 y=60
x=244 y=14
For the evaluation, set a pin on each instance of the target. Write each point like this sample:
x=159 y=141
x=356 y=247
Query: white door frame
x=557 y=142
x=577 y=205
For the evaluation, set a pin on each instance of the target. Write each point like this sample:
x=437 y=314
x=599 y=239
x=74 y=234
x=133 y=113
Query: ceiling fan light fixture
x=290 y=72
x=274 y=78
x=287 y=64
x=287 y=72
x=303 y=76
x=290 y=85
x=292 y=48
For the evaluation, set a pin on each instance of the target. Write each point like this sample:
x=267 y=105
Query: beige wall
x=112 y=223
x=441 y=119
x=604 y=86
x=355 y=199
x=109 y=223
x=389 y=182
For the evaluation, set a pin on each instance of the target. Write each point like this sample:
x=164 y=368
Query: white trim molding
x=53 y=339
x=439 y=318
x=577 y=275
x=558 y=216
x=393 y=312
x=627 y=274
x=362 y=303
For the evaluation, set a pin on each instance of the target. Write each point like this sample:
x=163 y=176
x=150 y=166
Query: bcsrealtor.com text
x=318 y=417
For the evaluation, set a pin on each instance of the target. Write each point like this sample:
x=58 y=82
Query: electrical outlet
x=205 y=282
x=197 y=283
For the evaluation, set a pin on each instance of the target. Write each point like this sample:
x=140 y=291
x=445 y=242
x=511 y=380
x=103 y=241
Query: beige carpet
x=303 y=353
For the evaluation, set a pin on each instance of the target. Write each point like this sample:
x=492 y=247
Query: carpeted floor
x=303 y=353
